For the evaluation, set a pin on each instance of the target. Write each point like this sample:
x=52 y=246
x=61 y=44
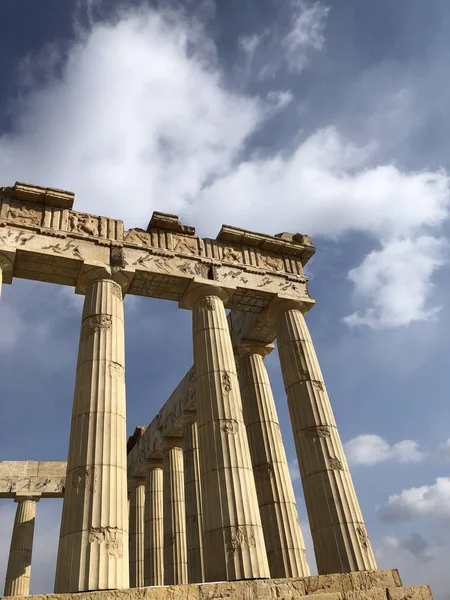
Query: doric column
x=175 y=553
x=93 y=546
x=194 y=518
x=7 y=257
x=136 y=547
x=19 y=564
x=337 y=527
x=233 y=541
x=282 y=534
x=154 y=529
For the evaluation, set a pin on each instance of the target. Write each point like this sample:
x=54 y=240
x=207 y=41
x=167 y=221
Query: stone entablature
x=44 y=478
x=161 y=259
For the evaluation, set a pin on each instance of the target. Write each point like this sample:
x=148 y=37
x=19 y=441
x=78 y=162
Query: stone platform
x=366 y=585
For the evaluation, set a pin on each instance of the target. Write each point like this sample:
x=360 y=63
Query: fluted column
x=93 y=546
x=175 y=552
x=194 y=518
x=19 y=563
x=137 y=507
x=154 y=528
x=282 y=534
x=233 y=541
x=340 y=540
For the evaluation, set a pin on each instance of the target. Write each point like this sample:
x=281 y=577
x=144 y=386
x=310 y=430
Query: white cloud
x=139 y=117
x=396 y=280
x=288 y=44
x=307 y=31
x=294 y=471
x=326 y=180
x=156 y=119
x=444 y=450
x=418 y=560
x=370 y=449
x=415 y=545
x=427 y=500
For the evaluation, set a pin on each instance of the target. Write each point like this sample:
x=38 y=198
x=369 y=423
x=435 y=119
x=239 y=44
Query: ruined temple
x=198 y=504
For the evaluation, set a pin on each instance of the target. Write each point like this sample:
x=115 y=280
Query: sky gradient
x=329 y=119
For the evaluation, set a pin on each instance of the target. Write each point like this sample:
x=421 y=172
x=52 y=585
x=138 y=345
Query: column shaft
x=154 y=531
x=137 y=507
x=175 y=553
x=194 y=518
x=233 y=538
x=19 y=564
x=93 y=546
x=282 y=533
x=340 y=540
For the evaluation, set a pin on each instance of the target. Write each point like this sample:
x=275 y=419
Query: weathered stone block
x=347 y=586
x=348 y=582
x=416 y=592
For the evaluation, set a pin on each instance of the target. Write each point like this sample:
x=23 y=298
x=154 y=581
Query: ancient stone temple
x=198 y=504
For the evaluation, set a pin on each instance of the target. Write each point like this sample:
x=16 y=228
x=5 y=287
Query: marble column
x=340 y=539
x=194 y=518
x=136 y=546
x=19 y=564
x=154 y=528
x=175 y=552
x=284 y=540
x=93 y=545
x=233 y=541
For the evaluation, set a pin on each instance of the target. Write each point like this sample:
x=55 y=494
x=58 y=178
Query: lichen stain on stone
x=226 y=383
x=318 y=385
x=317 y=431
x=229 y=426
x=335 y=464
x=111 y=537
x=116 y=369
x=84 y=478
x=241 y=537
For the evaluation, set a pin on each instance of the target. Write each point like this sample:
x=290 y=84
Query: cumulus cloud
x=396 y=285
x=427 y=500
x=137 y=115
x=444 y=450
x=415 y=545
x=370 y=449
x=418 y=560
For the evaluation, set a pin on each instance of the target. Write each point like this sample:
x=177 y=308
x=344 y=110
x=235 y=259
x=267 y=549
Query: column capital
x=280 y=303
x=7 y=258
x=135 y=482
x=21 y=497
x=188 y=417
x=96 y=271
x=198 y=289
x=153 y=463
x=249 y=347
x=170 y=442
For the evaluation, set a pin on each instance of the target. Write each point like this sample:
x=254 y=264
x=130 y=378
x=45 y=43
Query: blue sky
x=330 y=119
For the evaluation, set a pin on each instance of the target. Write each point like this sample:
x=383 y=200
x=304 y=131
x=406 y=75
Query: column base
x=363 y=585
